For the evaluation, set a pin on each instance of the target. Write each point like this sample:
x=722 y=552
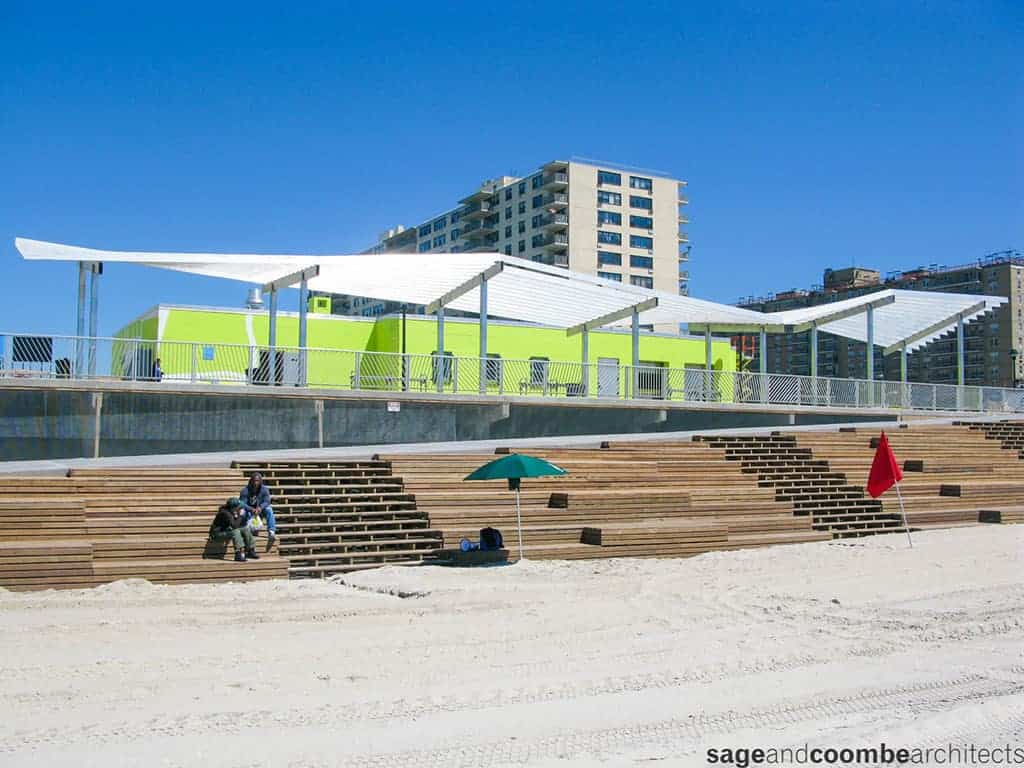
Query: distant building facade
x=615 y=223
x=993 y=343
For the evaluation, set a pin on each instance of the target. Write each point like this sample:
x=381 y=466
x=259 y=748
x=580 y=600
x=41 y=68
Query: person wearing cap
x=232 y=522
x=256 y=500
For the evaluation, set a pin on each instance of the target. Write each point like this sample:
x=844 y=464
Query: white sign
x=394 y=406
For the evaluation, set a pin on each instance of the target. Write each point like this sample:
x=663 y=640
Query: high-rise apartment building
x=992 y=343
x=597 y=219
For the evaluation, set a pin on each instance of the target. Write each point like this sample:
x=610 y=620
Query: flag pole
x=903 y=512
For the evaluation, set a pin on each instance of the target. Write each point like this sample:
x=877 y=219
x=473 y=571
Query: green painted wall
x=205 y=336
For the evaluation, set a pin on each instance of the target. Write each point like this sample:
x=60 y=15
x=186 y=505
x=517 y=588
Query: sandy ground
x=629 y=662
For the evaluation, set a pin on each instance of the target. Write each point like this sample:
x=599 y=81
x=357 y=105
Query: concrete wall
x=59 y=423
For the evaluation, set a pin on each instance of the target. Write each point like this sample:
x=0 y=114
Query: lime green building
x=394 y=353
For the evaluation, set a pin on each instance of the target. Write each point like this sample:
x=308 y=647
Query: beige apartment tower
x=599 y=219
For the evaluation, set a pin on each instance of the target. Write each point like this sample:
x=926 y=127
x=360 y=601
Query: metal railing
x=37 y=356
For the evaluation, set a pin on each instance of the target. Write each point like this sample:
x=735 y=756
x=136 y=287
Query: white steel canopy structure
x=495 y=285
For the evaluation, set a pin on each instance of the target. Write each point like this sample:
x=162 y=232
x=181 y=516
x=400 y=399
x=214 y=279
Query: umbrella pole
x=519 y=523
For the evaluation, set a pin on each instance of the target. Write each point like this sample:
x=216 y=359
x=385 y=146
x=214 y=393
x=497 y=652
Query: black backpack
x=490 y=538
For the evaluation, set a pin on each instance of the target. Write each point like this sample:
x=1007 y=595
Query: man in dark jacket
x=232 y=522
x=256 y=500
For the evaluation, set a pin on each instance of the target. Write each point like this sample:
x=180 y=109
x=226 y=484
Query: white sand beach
x=627 y=662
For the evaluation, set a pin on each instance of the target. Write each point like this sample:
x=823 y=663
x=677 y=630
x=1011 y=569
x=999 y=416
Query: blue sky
x=812 y=133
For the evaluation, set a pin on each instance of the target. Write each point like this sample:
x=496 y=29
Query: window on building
x=609 y=177
x=441 y=367
x=641 y=262
x=536 y=221
x=605 y=197
x=522 y=227
x=538 y=371
x=440 y=224
x=455 y=218
x=609 y=238
x=609 y=257
x=508 y=249
x=536 y=181
x=635 y=201
x=609 y=217
x=439 y=241
x=455 y=234
x=651 y=377
x=538 y=201
x=615 y=276
x=522 y=246
x=522 y=206
x=640 y=241
x=522 y=187
x=639 y=182
x=492 y=369
x=424 y=246
x=641 y=222
x=508 y=194
x=425 y=230
x=641 y=282
x=537 y=241
x=508 y=213
x=508 y=231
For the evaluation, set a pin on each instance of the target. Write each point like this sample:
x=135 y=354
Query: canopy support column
x=762 y=346
x=585 y=360
x=272 y=340
x=904 y=394
x=709 y=364
x=814 y=351
x=869 y=355
x=636 y=352
x=94 y=318
x=440 y=362
x=959 y=360
x=483 y=334
x=80 y=325
x=303 y=336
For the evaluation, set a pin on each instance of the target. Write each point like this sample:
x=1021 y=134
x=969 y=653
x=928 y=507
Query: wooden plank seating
x=134 y=523
x=340 y=516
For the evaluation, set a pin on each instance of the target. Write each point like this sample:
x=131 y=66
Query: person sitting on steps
x=256 y=500
x=232 y=522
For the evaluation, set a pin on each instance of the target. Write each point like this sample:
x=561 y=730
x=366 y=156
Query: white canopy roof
x=525 y=290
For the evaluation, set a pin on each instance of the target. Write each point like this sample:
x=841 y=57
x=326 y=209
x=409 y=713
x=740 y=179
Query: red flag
x=885 y=471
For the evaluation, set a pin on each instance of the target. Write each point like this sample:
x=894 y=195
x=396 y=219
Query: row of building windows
x=615 y=219
x=604 y=197
x=615 y=238
x=611 y=178
x=611 y=258
x=640 y=281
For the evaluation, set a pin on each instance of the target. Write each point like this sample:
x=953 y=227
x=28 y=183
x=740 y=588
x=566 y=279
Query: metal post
x=708 y=363
x=320 y=423
x=869 y=355
x=585 y=359
x=636 y=352
x=97 y=405
x=195 y=361
x=904 y=388
x=272 y=338
x=440 y=362
x=483 y=336
x=80 y=326
x=94 y=302
x=303 y=301
x=814 y=363
x=960 y=355
x=763 y=363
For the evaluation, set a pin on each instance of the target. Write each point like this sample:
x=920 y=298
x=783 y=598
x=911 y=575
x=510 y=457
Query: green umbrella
x=514 y=467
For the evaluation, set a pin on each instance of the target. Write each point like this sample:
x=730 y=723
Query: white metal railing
x=39 y=356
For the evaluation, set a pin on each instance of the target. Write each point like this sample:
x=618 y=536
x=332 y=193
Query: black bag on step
x=490 y=538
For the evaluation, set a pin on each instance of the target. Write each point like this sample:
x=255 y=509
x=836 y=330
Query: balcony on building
x=684 y=253
x=683 y=218
x=478 y=209
x=683 y=237
x=480 y=228
x=558 y=180
x=555 y=242
x=555 y=221
x=481 y=244
x=555 y=200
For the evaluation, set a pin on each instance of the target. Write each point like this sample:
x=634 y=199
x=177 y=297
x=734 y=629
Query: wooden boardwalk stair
x=341 y=516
